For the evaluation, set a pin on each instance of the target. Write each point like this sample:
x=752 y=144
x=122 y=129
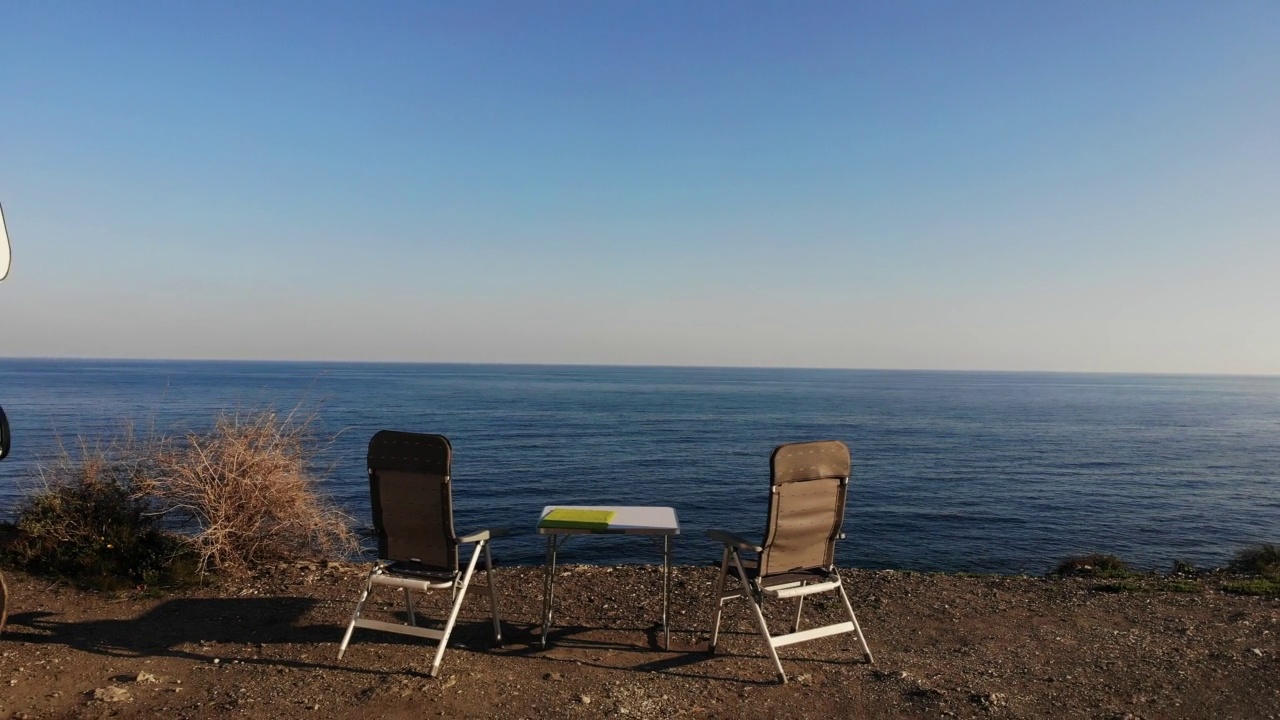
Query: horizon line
x=1149 y=373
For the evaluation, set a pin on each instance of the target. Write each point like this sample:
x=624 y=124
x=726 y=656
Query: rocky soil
x=945 y=646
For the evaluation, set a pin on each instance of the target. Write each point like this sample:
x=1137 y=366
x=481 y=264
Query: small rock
x=555 y=676
x=584 y=699
x=990 y=700
x=112 y=693
x=1256 y=651
x=145 y=677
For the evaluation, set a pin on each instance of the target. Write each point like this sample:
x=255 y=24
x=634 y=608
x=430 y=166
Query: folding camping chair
x=417 y=549
x=809 y=482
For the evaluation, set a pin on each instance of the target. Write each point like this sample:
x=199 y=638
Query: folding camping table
x=626 y=520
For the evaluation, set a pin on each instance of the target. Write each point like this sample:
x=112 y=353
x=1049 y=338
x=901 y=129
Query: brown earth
x=945 y=646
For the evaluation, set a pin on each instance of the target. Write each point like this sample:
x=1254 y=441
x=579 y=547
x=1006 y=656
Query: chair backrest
x=809 y=482
x=411 y=498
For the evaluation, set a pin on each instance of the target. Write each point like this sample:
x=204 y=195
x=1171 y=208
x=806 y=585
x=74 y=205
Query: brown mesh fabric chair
x=417 y=548
x=806 y=510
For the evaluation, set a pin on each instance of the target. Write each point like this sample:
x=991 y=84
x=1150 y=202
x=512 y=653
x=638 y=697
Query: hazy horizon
x=917 y=185
x=324 y=361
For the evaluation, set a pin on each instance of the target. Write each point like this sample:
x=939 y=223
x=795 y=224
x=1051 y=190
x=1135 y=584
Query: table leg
x=548 y=587
x=666 y=587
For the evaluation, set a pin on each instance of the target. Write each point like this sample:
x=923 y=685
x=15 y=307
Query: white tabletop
x=627 y=520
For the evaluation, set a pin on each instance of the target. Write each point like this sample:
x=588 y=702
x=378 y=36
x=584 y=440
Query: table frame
x=650 y=521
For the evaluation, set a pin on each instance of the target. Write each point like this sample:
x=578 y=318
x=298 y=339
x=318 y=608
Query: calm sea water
x=992 y=472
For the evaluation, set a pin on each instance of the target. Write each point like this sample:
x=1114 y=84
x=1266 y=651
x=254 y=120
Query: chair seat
x=752 y=569
x=412 y=569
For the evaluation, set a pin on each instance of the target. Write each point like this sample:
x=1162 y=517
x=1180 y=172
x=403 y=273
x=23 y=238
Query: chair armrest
x=486 y=534
x=733 y=540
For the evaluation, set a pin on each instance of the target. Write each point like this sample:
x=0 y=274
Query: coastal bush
x=1096 y=565
x=244 y=494
x=1261 y=560
x=86 y=524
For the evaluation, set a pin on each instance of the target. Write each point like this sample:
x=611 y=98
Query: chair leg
x=719 y=600
x=764 y=626
x=856 y=627
x=493 y=595
x=453 y=613
x=408 y=606
x=351 y=626
x=795 y=626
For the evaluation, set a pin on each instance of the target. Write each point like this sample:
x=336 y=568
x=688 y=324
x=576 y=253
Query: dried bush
x=86 y=523
x=244 y=493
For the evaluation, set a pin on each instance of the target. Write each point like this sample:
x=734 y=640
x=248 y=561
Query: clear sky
x=968 y=185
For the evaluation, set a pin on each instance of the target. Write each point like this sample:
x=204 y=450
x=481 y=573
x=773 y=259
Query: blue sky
x=1022 y=186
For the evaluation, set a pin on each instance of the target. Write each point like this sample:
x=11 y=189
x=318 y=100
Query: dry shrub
x=245 y=494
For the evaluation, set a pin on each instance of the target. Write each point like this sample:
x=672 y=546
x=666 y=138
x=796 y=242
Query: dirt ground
x=945 y=646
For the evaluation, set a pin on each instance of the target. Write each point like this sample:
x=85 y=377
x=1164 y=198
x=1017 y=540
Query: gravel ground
x=945 y=646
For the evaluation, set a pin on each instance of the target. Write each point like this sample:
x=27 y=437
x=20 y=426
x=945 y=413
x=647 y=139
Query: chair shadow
x=179 y=628
x=182 y=628
x=681 y=655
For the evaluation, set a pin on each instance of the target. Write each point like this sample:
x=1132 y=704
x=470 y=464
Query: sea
x=989 y=472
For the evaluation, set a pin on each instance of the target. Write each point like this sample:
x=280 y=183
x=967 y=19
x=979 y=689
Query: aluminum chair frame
x=395 y=458
x=785 y=566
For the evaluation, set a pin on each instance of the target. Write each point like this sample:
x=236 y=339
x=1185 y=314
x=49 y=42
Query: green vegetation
x=1265 y=587
x=1262 y=564
x=1261 y=560
x=1123 y=586
x=1096 y=565
x=87 y=525
x=1253 y=571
